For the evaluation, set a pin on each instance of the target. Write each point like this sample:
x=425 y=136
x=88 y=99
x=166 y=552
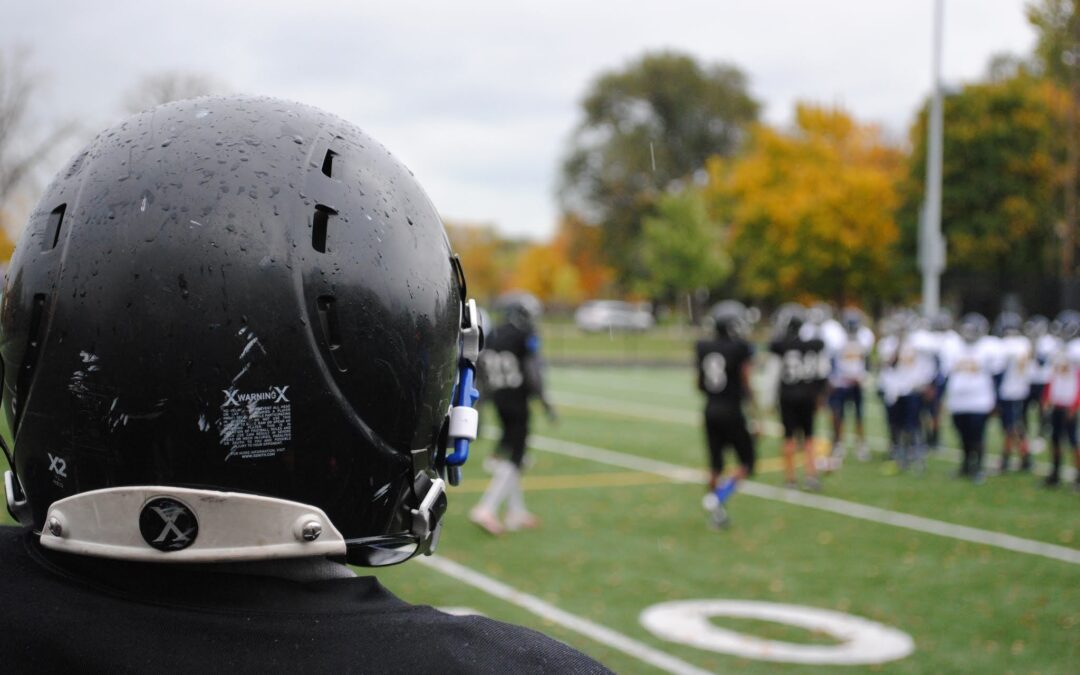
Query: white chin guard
x=171 y=524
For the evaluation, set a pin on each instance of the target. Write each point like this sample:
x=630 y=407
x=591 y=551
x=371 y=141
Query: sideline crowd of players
x=923 y=369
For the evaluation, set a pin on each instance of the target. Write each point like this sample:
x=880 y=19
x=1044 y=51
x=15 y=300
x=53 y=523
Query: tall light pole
x=931 y=243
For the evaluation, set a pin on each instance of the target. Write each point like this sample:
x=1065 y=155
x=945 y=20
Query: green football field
x=959 y=577
x=984 y=579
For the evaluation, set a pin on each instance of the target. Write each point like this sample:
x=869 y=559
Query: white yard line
x=687 y=418
x=549 y=612
x=682 y=474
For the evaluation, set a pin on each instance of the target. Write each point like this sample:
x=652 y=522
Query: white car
x=600 y=315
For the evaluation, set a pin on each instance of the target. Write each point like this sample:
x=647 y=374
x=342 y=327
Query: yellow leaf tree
x=488 y=259
x=811 y=210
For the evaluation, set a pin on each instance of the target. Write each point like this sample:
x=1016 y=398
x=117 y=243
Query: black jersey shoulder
x=68 y=613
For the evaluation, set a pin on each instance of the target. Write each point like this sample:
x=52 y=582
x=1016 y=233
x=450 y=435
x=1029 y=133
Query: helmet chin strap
x=464 y=418
x=17 y=505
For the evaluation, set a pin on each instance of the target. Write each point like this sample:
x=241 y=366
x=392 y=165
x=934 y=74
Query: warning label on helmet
x=256 y=424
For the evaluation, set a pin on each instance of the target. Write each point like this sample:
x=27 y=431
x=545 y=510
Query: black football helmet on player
x=1067 y=323
x=973 y=326
x=789 y=320
x=730 y=319
x=852 y=320
x=232 y=329
x=1008 y=323
x=520 y=308
x=941 y=322
x=1036 y=326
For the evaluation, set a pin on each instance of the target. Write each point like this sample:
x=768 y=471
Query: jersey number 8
x=714 y=372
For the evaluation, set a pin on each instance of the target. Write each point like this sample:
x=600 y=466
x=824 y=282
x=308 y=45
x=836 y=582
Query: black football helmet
x=232 y=329
x=852 y=320
x=1008 y=323
x=730 y=319
x=941 y=322
x=973 y=326
x=1067 y=324
x=520 y=308
x=1036 y=326
x=789 y=320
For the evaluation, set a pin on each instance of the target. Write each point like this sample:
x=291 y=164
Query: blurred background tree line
x=673 y=190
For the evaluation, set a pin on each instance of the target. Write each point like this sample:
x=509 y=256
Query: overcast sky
x=479 y=97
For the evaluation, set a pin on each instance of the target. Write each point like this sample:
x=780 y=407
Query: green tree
x=1057 y=56
x=682 y=247
x=1001 y=173
x=1056 y=23
x=650 y=124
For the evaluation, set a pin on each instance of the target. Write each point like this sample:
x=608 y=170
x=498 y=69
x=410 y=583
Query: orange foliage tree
x=811 y=211
x=566 y=270
x=488 y=259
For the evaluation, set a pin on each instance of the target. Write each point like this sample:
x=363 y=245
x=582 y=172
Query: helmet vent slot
x=319 y=224
x=30 y=355
x=52 y=230
x=328 y=318
x=328 y=163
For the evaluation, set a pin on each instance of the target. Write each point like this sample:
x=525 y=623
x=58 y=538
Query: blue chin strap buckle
x=464 y=417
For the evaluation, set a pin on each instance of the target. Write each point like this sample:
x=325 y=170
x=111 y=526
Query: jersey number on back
x=502 y=370
x=801 y=367
x=714 y=372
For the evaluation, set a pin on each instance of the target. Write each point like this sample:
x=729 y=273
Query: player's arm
x=744 y=375
x=698 y=367
x=534 y=375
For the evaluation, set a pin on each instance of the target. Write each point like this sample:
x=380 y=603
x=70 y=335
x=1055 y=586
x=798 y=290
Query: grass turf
x=614 y=542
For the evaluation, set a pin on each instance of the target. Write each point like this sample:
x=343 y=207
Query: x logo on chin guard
x=168 y=525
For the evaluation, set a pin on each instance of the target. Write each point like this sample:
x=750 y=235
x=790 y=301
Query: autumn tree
x=582 y=246
x=544 y=271
x=650 y=124
x=682 y=247
x=811 y=210
x=1001 y=177
x=488 y=259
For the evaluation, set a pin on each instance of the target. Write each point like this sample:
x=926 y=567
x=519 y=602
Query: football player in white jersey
x=1016 y=363
x=913 y=373
x=1045 y=344
x=931 y=341
x=848 y=372
x=887 y=346
x=970 y=366
x=1061 y=399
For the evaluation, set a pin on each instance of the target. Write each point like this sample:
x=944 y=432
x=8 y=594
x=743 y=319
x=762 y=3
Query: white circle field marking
x=862 y=641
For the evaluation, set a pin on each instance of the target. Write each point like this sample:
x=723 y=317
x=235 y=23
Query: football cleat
x=521 y=521
x=486 y=521
x=718 y=517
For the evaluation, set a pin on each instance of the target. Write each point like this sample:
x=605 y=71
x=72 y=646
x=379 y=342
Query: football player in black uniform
x=803 y=371
x=237 y=354
x=723 y=369
x=511 y=372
